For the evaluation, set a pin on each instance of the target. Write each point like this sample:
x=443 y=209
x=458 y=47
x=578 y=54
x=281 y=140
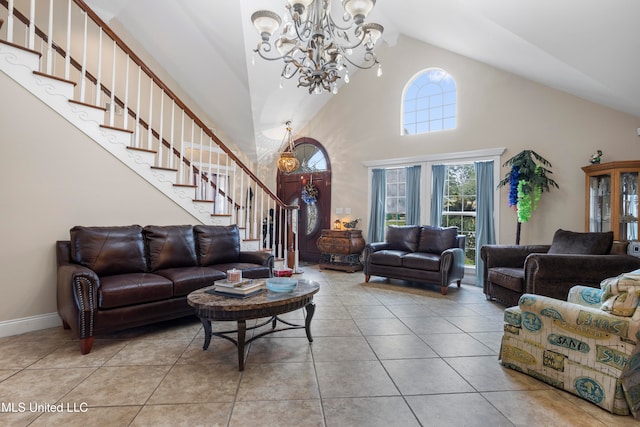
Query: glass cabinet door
x=628 y=206
x=600 y=203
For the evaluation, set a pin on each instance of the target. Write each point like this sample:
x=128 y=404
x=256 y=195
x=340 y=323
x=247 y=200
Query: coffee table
x=210 y=307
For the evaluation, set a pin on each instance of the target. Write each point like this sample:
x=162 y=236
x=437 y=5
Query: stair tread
x=116 y=128
x=186 y=185
x=164 y=169
x=203 y=201
x=142 y=149
x=60 y=79
x=73 y=101
x=17 y=46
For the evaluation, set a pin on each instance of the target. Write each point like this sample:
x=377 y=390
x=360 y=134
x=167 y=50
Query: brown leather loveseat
x=114 y=278
x=418 y=253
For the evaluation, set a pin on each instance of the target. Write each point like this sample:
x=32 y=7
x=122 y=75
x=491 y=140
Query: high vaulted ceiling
x=589 y=48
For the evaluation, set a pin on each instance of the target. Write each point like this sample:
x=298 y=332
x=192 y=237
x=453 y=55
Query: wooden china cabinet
x=612 y=198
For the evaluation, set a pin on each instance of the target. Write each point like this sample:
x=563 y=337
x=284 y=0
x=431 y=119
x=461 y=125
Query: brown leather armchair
x=551 y=270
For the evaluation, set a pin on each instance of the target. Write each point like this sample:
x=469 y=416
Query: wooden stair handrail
x=172 y=95
x=41 y=34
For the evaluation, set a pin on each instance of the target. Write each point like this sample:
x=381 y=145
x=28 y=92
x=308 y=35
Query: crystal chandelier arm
x=370 y=59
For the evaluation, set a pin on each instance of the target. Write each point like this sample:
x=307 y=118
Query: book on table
x=243 y=287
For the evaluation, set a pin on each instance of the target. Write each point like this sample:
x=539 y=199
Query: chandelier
x=287 y=162
x=316 y=48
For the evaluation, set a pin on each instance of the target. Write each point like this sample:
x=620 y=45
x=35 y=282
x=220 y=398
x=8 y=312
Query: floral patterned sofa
x=586 y=345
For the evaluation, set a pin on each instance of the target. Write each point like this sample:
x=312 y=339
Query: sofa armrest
x=575 y=315
x=377 y=246
x=451 y=265
x=77 y=297
x=554 y=274
x=511 y=256
x=370 y=248
x=257 y=257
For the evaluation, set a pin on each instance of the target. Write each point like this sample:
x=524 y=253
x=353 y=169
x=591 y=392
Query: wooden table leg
x=242 y=332
x=311 y=308
x=206 y=323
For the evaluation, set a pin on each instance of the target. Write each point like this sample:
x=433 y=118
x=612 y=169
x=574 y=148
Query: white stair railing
x=76 y=45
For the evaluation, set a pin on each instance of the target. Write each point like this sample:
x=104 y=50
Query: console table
x=341 y=249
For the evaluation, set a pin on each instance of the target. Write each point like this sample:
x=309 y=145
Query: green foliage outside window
x=460 y=205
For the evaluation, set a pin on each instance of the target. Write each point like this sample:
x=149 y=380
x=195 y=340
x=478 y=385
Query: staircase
x=89 y=76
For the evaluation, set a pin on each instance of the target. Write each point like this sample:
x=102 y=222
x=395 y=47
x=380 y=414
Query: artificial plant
x=527 y=180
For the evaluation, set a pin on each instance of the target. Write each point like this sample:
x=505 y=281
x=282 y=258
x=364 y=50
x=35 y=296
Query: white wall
x=53 y=177
x=495 y=109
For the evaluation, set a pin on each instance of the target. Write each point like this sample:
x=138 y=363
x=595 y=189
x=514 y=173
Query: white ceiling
x=590 y=48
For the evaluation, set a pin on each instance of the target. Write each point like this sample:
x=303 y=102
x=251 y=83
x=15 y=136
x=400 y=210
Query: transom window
x=429 y=102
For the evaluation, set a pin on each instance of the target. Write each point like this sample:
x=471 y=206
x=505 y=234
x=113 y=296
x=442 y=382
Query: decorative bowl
x=281 y=284
x=282 y=272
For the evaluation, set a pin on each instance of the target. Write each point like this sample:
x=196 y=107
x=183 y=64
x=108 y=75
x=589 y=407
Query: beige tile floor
x=383 y=355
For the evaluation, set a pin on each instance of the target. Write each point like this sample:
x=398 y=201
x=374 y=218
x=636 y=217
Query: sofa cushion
x=387 y=257
x=217 y=244
x=170 y=246
x=131 y=289
x=189 y=279
x=403 y=238
x=570 y=242
x=109 y=250
x=435 y=240
x=422 y=261
x=510 y=278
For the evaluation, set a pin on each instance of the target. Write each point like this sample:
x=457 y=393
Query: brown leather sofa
x=418 y=253
x=573 y=258
x=114 y=278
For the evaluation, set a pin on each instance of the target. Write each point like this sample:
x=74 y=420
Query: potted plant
x=527 y=180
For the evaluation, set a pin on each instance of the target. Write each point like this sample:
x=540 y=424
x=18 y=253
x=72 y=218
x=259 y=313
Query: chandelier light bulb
x=379 y=73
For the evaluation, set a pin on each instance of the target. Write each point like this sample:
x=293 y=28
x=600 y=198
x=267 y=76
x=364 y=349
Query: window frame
x=427 y=108
x=427 y=161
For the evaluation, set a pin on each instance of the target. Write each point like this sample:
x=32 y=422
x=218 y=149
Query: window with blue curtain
x=413 y=194
x=378 y=200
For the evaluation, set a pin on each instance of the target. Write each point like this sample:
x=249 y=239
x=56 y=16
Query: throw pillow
x=621 y=294
x=435 y=240
x=570 y=242
x=109 y=250
x=170 y=246
x=217 y=244
x=403 y=238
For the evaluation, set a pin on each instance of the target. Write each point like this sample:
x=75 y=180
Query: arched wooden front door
x=310 y=188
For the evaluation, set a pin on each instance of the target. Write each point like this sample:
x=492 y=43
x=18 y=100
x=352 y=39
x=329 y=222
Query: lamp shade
x=304 y=3
x=285 y=46
x=287 y=162
x=358 y=9
x=374 y=30
x=266 y=22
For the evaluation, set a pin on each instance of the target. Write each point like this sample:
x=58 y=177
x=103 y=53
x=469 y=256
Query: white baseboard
x=29 y=324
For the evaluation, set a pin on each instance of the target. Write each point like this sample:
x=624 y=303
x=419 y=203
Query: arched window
x=429 y=102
